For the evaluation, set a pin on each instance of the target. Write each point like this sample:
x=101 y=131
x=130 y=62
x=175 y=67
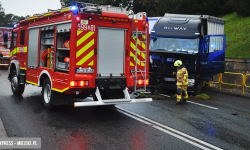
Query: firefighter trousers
x=182 y=92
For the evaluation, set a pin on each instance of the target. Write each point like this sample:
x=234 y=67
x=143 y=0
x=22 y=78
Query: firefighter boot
x=178 y=95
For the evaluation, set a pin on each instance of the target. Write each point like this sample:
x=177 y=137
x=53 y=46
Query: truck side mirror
x=5 y=39
x=206 y=44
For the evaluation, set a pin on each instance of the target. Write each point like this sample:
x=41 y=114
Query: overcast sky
x=29 y=7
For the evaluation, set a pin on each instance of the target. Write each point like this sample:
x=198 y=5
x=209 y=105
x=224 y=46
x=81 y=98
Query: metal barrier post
x=236 y=84
x=220 y=80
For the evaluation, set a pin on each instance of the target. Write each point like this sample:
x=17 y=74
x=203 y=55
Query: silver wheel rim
x=47 y=93
x=14 y=82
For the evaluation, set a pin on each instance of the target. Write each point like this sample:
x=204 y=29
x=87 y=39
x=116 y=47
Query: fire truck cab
x=81 y=50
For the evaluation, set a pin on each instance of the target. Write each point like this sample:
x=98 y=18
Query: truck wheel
x=16 y=88
x=48 y=94
x=197 y=88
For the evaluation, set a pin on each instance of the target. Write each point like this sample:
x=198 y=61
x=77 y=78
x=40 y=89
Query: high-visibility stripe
x=86 y=47
x=86 y=58
x=142 y=55
x=61 y=91
x=143 y=46
x=84 y=38
x=131 y=64
x=79 y=32
x=23 y=68
x=137 y=40
x=25 y=49
x=63 y=10
x=14 y=51
x=142 y=64
x=91 y=63
x=48 y=14
x=11 y=54
x=31 y=82
x=17 y=49
x=179 y=71
x=178 y=96
x=32 y=18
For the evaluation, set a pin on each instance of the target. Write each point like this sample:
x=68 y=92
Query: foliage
x=237 y=31
x=156 y=97
x=241 y=7
x=203 y=96
x=8 y=19
x=174 y=96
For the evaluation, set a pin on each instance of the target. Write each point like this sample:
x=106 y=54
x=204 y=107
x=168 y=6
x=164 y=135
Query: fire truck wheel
x=48 y=94
x=16 y=88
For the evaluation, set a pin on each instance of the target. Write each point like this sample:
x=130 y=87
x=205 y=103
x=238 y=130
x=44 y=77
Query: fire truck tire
x=48 y=94
x=16 y=88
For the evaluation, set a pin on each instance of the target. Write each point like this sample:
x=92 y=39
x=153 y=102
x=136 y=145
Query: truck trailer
x=79 y=51
x=197 y=40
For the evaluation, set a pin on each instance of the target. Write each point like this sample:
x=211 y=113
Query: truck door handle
x=23 y=54
x=126 y=52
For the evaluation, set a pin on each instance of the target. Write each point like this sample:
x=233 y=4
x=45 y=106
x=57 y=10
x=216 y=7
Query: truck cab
x=197 y=40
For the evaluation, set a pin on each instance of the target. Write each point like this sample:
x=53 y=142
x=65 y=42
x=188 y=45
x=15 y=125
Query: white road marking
x=164 y=95
x=168 y=130
x=203 y=105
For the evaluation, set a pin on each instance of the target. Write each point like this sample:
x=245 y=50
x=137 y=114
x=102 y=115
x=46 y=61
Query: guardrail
x=244 y=77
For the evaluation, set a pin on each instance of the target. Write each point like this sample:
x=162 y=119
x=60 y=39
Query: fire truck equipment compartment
x=111 y=47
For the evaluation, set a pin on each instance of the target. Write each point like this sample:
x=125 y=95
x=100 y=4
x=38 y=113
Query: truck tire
x=197 y=88
x=16 y=88
x=48 y=94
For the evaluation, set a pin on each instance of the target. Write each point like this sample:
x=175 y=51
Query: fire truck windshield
x=174 y=44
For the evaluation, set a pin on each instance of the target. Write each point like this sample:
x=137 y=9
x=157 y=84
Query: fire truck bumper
x=114 y=102
x=100 y=101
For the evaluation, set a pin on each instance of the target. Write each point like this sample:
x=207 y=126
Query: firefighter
x=182 y=82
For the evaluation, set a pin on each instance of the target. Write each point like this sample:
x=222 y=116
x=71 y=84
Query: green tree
x=241 y=7
x=2 y=15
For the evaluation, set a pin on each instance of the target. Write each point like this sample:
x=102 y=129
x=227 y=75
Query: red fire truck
x=5 y=39
x=81 y=50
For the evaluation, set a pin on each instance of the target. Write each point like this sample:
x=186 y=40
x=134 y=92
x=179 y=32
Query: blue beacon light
x=73 y=8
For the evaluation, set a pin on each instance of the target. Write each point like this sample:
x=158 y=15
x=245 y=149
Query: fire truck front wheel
x=48 y=94
x=16 y=87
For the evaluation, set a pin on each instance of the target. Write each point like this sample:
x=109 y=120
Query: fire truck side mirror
x=5 y=40
x=5 y=37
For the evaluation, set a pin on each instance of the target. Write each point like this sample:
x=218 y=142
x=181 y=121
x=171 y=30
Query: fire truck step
x=116 y=100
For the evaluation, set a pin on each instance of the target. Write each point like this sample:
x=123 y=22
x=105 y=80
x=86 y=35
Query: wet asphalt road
x=227 y=127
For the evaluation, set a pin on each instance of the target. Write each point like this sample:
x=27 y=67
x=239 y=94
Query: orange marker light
x=100 y=17
x=140 y=82
x=82 y=83
x=147 y=81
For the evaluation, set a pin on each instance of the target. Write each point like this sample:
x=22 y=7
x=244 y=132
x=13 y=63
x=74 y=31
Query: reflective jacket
x=182 y=75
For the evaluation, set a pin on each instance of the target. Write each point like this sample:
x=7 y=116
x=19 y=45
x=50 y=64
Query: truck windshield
x=174 y=44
